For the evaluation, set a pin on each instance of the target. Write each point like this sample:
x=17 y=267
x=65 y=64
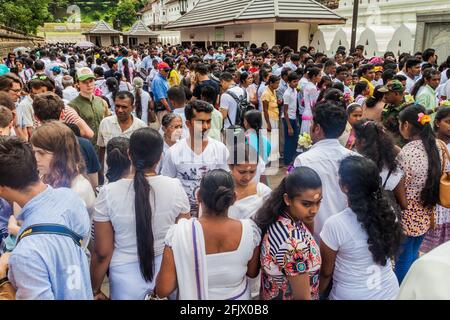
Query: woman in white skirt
x=131 y=219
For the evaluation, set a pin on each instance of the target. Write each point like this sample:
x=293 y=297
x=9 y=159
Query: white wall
x=253 y=33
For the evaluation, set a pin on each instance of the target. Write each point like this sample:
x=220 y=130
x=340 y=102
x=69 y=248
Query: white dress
x=246 y=209
x=115 y=204
x=226 y=271
x=310 y=96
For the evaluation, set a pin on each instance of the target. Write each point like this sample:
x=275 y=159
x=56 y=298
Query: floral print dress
x=413 y=161
x=288 y=249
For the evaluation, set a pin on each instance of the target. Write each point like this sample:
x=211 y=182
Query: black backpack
x=242 y=106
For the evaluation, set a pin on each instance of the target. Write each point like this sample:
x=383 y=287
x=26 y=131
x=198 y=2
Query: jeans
x=409 y=252
x=290 y=142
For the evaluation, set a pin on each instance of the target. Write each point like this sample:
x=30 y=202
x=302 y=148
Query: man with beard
x=190 y=158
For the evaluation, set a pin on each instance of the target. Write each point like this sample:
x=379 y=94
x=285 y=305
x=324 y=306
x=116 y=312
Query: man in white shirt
x=428 y=277
x=324 y=157
x=210 y=56
x=229 y=99
x=122 y=124
x=190 y=158
x=341 y=75
x=294 y=64
x=289 y=117
x=411 y=71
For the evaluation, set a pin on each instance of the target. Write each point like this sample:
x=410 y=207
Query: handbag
x=444 y=184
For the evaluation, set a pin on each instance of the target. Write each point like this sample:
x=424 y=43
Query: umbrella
x=84 y=44
x=21 y=49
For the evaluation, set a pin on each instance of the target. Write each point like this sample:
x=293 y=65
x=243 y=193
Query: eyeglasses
x=16 y=90
x=166 y=70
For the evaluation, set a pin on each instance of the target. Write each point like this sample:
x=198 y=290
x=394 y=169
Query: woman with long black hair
x=421 y=162
x=129 y=239
x=113 y=89
x=358 y=243
x=290 y=257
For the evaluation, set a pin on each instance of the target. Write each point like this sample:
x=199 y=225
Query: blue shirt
x=263 y=142
x=5 y=213
x=160 y=86
x=147 y=62
x=49 y=266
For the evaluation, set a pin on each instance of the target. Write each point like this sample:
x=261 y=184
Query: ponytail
x=126 y=69
x=138 y=103
x=144 y=230
x=146 y=147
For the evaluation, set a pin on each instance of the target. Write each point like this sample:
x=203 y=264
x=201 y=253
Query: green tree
x=25 y=15
x=126 y=12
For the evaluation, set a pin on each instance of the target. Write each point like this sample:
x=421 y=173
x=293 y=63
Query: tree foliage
x=27 y=15
x=126 y=12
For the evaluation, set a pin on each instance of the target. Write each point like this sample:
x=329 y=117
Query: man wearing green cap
x=90 y=108
x=394 y=95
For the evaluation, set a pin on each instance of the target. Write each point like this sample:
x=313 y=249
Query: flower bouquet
x=305 y=141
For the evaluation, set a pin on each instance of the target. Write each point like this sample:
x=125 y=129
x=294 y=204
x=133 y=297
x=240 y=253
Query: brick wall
x=332 y=4
x=10 y=39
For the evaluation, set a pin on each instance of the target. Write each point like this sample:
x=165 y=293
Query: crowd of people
x=153 y=168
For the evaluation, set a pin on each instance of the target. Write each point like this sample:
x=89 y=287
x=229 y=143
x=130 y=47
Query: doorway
x=287 y=38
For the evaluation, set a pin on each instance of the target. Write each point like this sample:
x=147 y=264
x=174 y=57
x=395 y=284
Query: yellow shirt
x=271 y=97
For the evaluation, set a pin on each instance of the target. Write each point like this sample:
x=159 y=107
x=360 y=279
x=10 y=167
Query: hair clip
x=423 y=119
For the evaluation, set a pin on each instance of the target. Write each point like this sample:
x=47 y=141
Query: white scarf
x=190 y=260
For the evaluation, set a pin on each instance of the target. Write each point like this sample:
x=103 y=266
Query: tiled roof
x=139 y=29
x=102 y=28
x=217 y=12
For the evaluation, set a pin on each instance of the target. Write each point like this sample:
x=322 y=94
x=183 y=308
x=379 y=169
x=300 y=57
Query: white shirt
x=25 y=112
x=409 y=82
x=181 y=162
x=247 y=207
x=115 y=203
x=290 y=98
x=228 y=103
x=83 y=188
x=70 y=93
x=324 y=157
x=356 y=275
x=446 y=91
x=394 y=178
x=428 y=278
x=145 y=99
x=110 y=128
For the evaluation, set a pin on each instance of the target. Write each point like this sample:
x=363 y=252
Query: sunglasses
x=166 y=70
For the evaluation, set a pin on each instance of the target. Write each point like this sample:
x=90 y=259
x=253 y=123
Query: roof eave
x=324 y=21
